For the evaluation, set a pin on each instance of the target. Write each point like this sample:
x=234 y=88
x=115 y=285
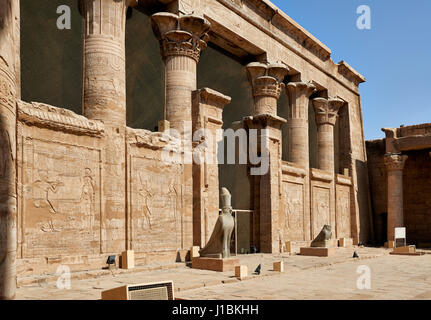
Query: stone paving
x=392 y=277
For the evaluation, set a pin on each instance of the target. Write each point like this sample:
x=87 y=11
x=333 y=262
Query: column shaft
x=298 y=134
x=180 y=82
x=9 y=94
x=326 y=117
x=395 y=165
x=104 y=64
x=325 y=143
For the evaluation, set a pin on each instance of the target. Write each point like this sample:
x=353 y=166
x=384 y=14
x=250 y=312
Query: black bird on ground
x=258 y=269
x=355 y=255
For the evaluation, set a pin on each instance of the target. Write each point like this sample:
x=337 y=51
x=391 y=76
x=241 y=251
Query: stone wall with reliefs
x=64 y=209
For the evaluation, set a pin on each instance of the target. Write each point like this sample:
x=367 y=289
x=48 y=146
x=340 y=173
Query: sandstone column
x=298 y=135
x=395 y=165
x=104 y=99
x=326 y=117
x=104 y=68
x=267 y=83
x=182 y=39
x=9 y=94
x=208 y=108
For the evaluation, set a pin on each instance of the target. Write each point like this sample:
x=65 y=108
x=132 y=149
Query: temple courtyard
x=339 y=277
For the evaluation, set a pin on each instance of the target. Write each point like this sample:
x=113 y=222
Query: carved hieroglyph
x=343 y=212
x=293 y=211
x=61 y=208
x=156 y=206
x=321 y=209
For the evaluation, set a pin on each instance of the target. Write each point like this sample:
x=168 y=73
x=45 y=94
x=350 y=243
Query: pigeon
x=257 y=271
x=355 y=255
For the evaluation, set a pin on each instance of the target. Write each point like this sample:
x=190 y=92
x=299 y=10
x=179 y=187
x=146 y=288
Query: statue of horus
x=322 y=240
x=219 y=244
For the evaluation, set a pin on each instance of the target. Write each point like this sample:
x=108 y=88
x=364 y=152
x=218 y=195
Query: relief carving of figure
x=288 y=213
x=48 y=187
x=87 y=198
x=173 y=196
x=146 y=195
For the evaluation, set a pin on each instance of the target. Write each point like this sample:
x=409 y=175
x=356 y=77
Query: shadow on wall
x=219 y=72
x=365 y=221
x=145 y=74
x=51 y=59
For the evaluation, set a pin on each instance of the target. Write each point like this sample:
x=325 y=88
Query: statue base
x=406 y=251
x=215 y=264
x=318 y=252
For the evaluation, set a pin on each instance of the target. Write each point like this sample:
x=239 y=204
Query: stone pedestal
x=395 y=165
x=128 y=259
x=318 y=252
x=194 y=252
x=241 y=272
x=345 y=242
x=9 y=94
x=279 y=266
x=215 y=264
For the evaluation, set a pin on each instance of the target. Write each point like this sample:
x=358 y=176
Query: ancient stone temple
x=400 y=181
x=87 y=117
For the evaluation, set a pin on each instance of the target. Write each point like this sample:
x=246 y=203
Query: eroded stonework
x=77 y=188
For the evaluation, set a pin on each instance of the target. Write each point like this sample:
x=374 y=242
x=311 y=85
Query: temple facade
x=400 y=180
x=79 y=186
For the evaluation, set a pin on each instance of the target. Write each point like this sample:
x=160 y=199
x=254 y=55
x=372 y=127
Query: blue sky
x=393 y=56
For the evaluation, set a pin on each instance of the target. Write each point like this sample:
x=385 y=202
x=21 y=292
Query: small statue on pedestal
x=323 y=239
x=219 y=244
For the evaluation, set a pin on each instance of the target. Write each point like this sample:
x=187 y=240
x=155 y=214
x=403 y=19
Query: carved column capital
x=327 y=110
x=395 y=162
x=181 y=35
x=267 y=79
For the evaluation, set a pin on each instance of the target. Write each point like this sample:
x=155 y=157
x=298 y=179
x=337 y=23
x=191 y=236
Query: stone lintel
x=413 y=143
x=266 y=120
x=211 y=97
x=321 y=175
x=153 y=140
x=46 y=116
x=293 y=170
x=344 y=180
